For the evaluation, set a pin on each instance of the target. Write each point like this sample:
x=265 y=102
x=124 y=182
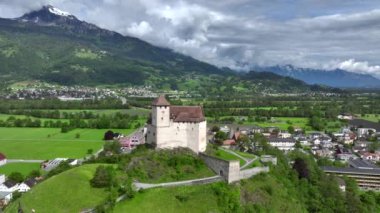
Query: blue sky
x=241 y=34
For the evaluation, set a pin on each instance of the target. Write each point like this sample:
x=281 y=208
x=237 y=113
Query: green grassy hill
x=67 y=192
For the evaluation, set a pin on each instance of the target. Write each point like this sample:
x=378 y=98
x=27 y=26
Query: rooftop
x=349 y=170
x=160 y=101
x=362 y=164
x=187 y=114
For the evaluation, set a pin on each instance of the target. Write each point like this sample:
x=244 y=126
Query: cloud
x=241 y=34
x=359 y=67
x=140 y=29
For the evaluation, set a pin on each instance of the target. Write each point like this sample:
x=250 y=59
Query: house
x=345 y=116
x=315 y=135
x=284 y=134
x=224 y=129
x=344 y=154
x=27 y=185
x=3 y=159
x=365 y=132
x=51 y=164
x=245 y=130
x=272 y=129
x=177 y=126
x=257 y=129
x=361 y=146
x=132 y=141
x=9 y=186
x=316 y=141
x=5 y=198
x=370 y=156
x=284 y=144
x=228 y=143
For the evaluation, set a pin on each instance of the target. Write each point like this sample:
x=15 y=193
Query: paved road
x=23 y=161
x=213 y=179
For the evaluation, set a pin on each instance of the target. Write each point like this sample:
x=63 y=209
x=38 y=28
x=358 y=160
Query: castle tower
x=161 y=112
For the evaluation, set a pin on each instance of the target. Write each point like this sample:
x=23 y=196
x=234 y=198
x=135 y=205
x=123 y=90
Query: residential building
x=284 y=144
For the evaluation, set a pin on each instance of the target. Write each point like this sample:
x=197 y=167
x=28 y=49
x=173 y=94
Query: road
x=23 y=161
x=212 y=179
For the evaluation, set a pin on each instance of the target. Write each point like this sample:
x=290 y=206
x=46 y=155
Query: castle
x=177 y=126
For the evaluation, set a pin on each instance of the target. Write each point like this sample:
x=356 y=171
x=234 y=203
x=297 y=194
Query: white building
x=284 y=144
x=9 y=186
x=177 y=126
x=5 y=198
x=363 y=132
x=27 y=185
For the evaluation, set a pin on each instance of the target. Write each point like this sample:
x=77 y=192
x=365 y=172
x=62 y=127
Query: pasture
x=49 y=143
x=23 y=168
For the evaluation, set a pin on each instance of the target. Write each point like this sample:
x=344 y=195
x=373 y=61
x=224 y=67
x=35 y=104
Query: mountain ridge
x=334 y=78
x=49 y=46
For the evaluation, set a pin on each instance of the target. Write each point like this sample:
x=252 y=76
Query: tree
x=34 y=174
x=16 y=176
x=215 y=129
x=220 y=137
x=300 y=166
x=108 y=135
x=103 y=177
x=291 y=129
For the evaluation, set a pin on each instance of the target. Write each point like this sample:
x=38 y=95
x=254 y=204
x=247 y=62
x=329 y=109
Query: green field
x=199 y=198
x=49 y=143
x=371 y=117
x=23 y=168
x=66 y=192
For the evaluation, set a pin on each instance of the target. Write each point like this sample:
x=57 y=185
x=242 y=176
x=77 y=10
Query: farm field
x=49 y=143
x=201 y=198
x=72 y=193
x=23 y=168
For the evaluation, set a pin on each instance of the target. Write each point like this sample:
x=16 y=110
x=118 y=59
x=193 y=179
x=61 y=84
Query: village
x=352 y=151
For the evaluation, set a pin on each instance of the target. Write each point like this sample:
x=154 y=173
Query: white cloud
x=140 y=29
x=359 y=67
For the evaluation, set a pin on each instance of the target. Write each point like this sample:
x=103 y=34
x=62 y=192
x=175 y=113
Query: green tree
x=16 y=176
x=103 y=177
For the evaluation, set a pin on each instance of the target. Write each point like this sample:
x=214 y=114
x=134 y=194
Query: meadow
x=201 y=198
x=49 y=143
x=72 y=193
x=23 y=168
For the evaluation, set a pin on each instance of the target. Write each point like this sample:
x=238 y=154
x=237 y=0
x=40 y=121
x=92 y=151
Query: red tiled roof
x=187 y=114
x=160 y=101
x=2 y=156
x=229 y=142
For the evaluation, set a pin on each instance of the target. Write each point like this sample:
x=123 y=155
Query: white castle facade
x=177 y=126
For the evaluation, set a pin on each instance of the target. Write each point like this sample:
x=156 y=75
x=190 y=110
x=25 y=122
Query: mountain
x=335 y=78
x=54 y=46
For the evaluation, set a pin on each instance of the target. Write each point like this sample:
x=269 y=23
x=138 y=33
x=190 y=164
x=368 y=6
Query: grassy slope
x=34 y=143
x=67 y=192
x=200 y=198
x=23 y=168
x=266 y=193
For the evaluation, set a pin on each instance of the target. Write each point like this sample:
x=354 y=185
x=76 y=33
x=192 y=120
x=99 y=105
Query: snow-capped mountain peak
x=57 y=11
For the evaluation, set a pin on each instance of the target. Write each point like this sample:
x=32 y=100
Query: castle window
x=162 y=118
